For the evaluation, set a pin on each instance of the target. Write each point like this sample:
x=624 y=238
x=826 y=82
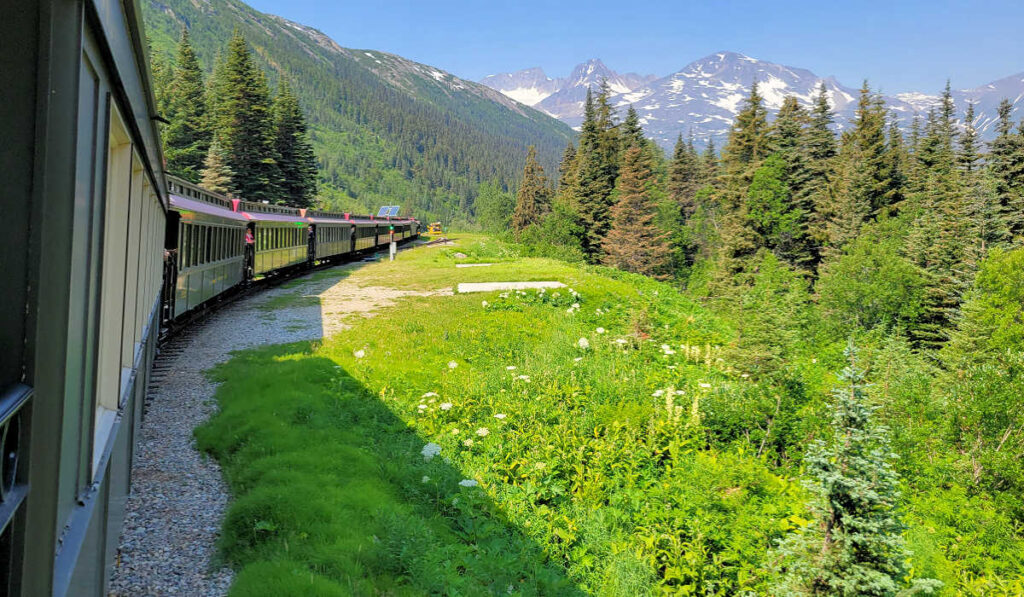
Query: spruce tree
x=243 y=124
x=533 y=200
x=709 y=162
x=296 y=161
x=635 y=243
x=780 y=225
x=820 y=148
x=684 y=177
x=187 y=138
x=598 y=169
x=630 y=131
x=788 y=138
x=216 y=174
x=854 y=546
x=968 y=156
x=1006 y=164
x=869 y=182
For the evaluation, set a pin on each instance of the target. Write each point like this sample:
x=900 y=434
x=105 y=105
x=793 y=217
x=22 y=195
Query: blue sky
x=908 y=45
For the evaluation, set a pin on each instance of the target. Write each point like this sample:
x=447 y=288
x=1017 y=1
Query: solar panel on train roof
x=394 y=210
x=383 y=211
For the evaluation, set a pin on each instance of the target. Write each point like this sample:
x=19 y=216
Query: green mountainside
x=386 y=130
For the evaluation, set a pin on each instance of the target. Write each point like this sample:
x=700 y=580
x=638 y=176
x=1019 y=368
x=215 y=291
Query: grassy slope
x=589 y=484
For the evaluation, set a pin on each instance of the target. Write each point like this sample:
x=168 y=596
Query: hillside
x=385 y=129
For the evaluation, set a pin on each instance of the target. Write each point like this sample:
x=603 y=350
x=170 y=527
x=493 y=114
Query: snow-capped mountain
x=563 y=97
x=705 y=96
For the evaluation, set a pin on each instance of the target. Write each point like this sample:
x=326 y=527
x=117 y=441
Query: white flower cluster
x=446 y=406
x=452 y=364
x=359 y=353
x=430 y=450
x=667 y=350
x=468 y=483
x=583 y=343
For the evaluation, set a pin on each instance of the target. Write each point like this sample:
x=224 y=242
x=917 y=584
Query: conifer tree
x=295 y=158
x=709 y=164
x=216 y=174
x=533 y=200
x=854 y=545
x=630 y=131
x=748 y=139
x=969 y=156
x=568 y=171
x=634 y=243
x=684 y=177
x=598 y=169
x=187 y=138
x=1006 y=163
x=820 y=147
x=243 y=124
x=779 y=224
x=869 y=183
x=788 y=138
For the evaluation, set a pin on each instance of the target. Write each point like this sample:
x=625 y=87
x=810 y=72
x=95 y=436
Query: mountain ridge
x=704 y=97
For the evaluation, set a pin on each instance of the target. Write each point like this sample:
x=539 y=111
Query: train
x=216 y=244
x=101 y=251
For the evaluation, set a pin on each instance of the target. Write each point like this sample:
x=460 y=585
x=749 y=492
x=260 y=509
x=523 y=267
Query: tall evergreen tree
x=1006 y=163
x=634 y=243
x=820 y=148
x=296 y=162
x=788 y=139
x=780 y=225
x=684 y=177
x=709 y=160
x=869 y=183
x=187 y=138
x=855 y=544
x=598 y=169
x=630 y=131
x=243 y=123
x=533 y=200
x=749 y=142
x=969 y=153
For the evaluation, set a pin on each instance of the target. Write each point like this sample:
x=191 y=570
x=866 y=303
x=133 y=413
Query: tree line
x=228 y=134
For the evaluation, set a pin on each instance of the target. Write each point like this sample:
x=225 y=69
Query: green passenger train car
x=84 y=207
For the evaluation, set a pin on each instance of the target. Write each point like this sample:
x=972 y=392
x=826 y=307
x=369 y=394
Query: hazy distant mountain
x=563 y=97
x=705 y=96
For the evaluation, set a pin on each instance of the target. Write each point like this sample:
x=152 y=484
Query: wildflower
x=745 y=375
x=468 y=442
x=425 y=479
x=510 y=368
x=503 y=295
x=578 y=359
x=422 y=407
x=359 y=353
x=705 y=385
x=499 y=416
x=525 y=378
x=446 y=406
x=599 y=330
x=468 y=483
x=484 y=304
x=583 y=343
x=665 y=348
x=679 y=392
x=430 y=450
x=575 y=305
x=482 y=432
x=429 y=394
x=620 y=341
x=455 y=431
x=452 y=364
x=658 y=393
x=540 y=466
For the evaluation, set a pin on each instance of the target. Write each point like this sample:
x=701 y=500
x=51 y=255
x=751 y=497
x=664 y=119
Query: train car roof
x=262 y=217
x=180 y=203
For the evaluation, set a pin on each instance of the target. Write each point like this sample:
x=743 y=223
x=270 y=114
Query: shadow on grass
x=331 y=495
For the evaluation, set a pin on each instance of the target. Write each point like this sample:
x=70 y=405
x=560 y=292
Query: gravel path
x=178 y=497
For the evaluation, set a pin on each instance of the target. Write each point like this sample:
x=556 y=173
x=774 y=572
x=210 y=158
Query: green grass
x=610 y=471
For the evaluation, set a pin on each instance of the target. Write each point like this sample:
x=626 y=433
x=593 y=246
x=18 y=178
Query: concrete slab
x=489 y=286
x=473 y=264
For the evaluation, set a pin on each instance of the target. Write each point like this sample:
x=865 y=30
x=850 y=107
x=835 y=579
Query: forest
x=904 y=245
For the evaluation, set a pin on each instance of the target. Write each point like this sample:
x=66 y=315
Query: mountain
x=705 y=96
x=563 y=98
x=385 y=129
x=986 y=100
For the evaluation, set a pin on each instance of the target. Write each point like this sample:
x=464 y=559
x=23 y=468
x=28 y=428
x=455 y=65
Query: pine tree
x=684 y=177
x=820 y=147
x=568 y=170
x=709 y=160
x=598 y=170
x=630 y=131
x=869 y=183
x=749 y=142
x=187 y=138
x=1006 y=163
x=634 y=243
x=533 y=201
x=968 y=157
x=216 y=174
x=243 y=123
x=296 y=161
x=788 y=138
x=854 y=545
